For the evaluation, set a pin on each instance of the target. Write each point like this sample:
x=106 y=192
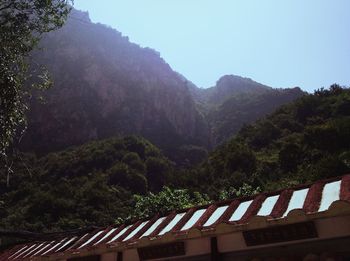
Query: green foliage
x=301 y=142
x=165 y=201
x=88 y=185
x=124 y=178
x=190 y=155
x=22 y=22
x=236 y=101
x=244 y=191
x=157 y=172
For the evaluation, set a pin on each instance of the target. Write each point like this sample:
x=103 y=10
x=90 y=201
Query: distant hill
x=104 y=85
x=236 y=101
x=227 y=86
x=304 y=141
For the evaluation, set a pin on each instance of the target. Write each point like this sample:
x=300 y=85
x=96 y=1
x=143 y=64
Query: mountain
x=95 y=183
x=227 y=86
x=104 y=85
x=236 y=101
x=304 y=141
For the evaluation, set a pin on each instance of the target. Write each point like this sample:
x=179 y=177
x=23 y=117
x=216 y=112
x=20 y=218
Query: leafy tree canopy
x=301 y=142
x=166 y=200
x=22 y=22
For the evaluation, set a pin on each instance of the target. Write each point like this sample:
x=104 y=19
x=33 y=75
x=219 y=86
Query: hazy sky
x=281 y=43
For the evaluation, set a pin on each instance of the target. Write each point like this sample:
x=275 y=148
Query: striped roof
x=310 y=199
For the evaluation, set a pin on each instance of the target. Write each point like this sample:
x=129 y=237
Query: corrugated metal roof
x=311 y=199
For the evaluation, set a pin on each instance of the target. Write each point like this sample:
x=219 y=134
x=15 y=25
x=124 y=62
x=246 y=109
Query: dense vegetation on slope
x=98 y=183
x=90 y=184
x=236 y=101
x=228 y=118
x=306 y=140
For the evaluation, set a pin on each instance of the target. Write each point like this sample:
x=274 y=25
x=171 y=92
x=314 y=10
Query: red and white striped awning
x=310 y=199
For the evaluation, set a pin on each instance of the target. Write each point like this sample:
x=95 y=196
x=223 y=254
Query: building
x=309 y=222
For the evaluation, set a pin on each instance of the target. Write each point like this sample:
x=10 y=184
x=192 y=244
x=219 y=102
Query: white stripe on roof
x=330 y=193
x=43 y=248
x=91 y=239
x=215 y=216
x=133 y=233
x=53 y=247
x=119 y=234
x=105 y=236
x=173 y=222
x=80 y=240
x=240 y=211
x=21 y=249
x=25 y=251
x=31 y=251
x=267 y=206
x=153 y=227
x=297 y=200
x=195 y=217
x=65 y=244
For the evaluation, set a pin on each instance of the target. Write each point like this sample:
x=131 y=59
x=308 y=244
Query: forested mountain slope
x=87 y=185
x=95 y=184
x=235 y=101
x=304 y=141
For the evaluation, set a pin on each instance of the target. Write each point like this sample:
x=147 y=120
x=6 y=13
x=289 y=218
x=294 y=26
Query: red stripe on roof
x=345 y=188
x=162 y=225
x=99 y=237
x=206 y=215
x=25 y=251
x=128 y=231
x=228 y=213
x=58 y=245
x=79 y=242
x=253 y=208
x=116 y=232
x=86 y=239
x=282 y=203
x=44 y=248
x=313 y=197
x=184 y=219
x=145 y=227
x=9 y=253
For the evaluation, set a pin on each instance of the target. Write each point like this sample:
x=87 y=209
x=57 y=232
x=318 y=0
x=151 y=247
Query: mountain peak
x=238 y=83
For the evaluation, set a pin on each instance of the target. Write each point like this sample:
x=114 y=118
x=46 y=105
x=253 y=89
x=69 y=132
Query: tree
x=22 y=23
x=166 y=200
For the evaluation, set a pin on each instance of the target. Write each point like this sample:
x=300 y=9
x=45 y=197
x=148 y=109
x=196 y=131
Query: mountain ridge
x=114 y=87
x=107 y=88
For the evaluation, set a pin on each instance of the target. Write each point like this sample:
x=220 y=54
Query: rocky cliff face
x=104 y=86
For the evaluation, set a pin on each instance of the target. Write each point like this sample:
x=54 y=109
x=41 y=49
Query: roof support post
x=120 y=256
x=214 y=253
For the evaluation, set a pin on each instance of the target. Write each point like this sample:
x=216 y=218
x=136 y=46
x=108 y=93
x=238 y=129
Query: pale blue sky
x=281 y=43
